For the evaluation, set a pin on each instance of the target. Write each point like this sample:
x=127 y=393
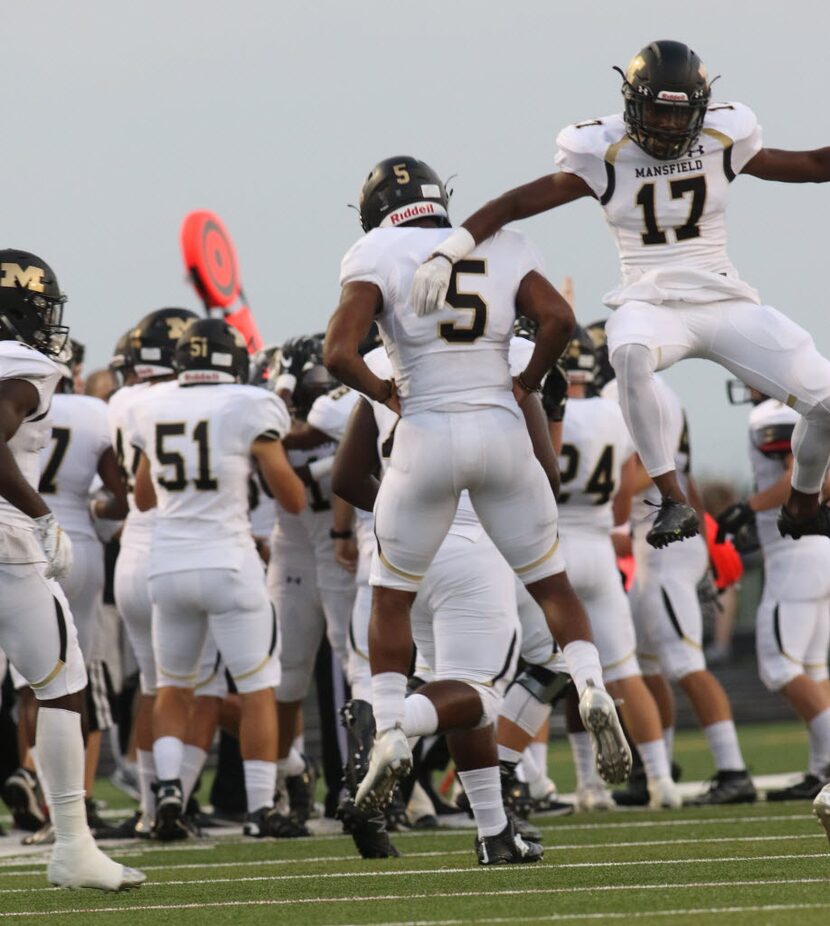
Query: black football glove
x=555 y=392
x=732 y=519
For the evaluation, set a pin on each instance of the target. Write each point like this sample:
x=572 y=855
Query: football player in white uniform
x=148 y=357
x=461 y=428
x=793 y=621
x=661 y=172
x=196 y=437
x=34 y=551
x=313 y=593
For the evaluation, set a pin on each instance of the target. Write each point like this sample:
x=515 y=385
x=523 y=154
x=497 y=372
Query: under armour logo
x=695 y=152
x=295 y=579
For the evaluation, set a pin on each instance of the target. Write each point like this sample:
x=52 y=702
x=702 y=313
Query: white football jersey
x=454 y=359
x=677 y=432
x=198 y=441
x=595 y=444
x=667 y=217
x=138 y=526
x=18 y=543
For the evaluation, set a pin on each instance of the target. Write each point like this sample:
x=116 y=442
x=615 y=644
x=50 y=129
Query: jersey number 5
x=678 y=188
x=450 y=331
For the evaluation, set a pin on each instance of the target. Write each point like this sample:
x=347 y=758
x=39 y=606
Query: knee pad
x=545 y=685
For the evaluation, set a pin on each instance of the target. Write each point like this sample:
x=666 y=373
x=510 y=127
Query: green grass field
x=759 y=864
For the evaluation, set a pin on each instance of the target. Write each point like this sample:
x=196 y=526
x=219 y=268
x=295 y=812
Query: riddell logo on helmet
x=412 y=212
x=673 y=96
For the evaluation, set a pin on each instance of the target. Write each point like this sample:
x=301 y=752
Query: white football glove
x=430 y=285
x=56 y=545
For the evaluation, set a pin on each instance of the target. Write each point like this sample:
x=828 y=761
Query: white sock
x=420 y=717
x=167 y=753
x=584 y=762
x=146 y=776
x=299 y=743
x=819 y=733
x=506 y=754
x=531 y=770
x=483 y=788
x=291 y=765
x=723 y=741
x=61 y=753
x=388 y=695
x=260 y=783
x=193 y=760
x=668 y=739
x=539 y=751
x=655 y=759
x=583 y=665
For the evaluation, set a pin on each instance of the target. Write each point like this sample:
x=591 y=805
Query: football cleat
x=547 y=801
x=817 y=524
x=134 y=827
x=368 y=830
x=804 y=790
x=663 y=794
x=821 y=808
x=636 y=794
x=170 y=823
x=611 y=749
x=268 y=821
x=515 y=793
x=23 y=794
x=45 y=836
x=397 y=819
x=726 y=787
x=675 y=521
x=299 y=790
x=523 y=828
x=81 y=863
x=506 y=848
x=390 y=761
x=594 y=797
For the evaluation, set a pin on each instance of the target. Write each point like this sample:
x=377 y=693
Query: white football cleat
x=599 y=717
x=663 y=794
x=821 y=808
x=595 y=797
x=389 y=761
x=81 y=863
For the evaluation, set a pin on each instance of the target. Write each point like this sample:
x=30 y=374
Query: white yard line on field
x=428 y=872
x=133 y=910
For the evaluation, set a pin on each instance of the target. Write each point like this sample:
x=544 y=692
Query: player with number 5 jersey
x=461 y=428
x=661 y=171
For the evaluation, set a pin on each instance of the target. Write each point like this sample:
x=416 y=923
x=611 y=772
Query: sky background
x=118 y=119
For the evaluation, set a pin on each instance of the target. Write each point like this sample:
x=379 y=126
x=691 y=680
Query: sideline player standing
x=661 y=172
x=461 y=428
x=197 y=436
x=34 y=551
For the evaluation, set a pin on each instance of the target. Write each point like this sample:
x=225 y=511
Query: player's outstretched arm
x=353 y=477
x=790 y=166
x=432 y=278
x=18 y=399
x=285 y=485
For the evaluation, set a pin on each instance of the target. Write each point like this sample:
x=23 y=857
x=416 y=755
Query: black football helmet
x=302 y=359
x=666 y=91
x=122 y=354
x=153 y=341
x=210 y=351
x=31 y=304
x=596 y=332
x=399 y=190
x=580 y=361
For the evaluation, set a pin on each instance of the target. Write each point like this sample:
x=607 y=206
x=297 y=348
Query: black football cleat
x=523 y=828
x=269 y=822
x=506 y=848
x=726 y=787
x=675 y=521
x=804 y=790
x=636 y=793
x=24 y=797
x=133 y=827
x=515 y=793
x=300 y=792
x=367 y=828
x=817 y=524
x=170 y=825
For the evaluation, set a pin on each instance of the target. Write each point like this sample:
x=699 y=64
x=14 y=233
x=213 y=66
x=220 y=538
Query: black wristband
x=341 y=535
